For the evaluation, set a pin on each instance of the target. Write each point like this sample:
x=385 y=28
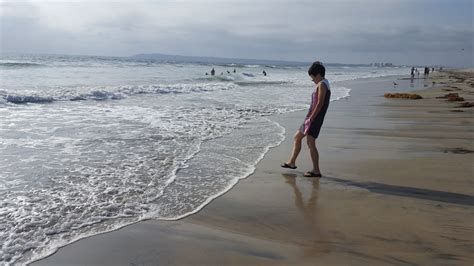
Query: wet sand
x=395 y=190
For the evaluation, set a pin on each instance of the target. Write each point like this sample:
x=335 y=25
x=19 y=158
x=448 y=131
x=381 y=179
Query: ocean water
x=91 y=144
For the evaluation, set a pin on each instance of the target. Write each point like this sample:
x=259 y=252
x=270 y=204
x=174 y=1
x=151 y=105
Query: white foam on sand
x=248 y=161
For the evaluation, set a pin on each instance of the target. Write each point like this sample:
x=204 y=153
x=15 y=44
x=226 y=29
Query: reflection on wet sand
x=307 y=210
x=383 y=224
x=310 y=216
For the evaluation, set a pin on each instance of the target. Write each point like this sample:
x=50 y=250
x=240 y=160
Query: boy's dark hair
x=317 y=68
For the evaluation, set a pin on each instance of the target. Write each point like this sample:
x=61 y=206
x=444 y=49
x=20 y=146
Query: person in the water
x=313 y=120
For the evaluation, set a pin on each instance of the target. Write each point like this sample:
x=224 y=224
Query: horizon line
x=201 y=56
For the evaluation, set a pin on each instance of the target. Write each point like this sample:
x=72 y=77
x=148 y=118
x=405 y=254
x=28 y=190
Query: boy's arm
x=321 y=97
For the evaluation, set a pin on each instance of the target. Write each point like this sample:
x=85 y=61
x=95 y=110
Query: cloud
x=337 y=30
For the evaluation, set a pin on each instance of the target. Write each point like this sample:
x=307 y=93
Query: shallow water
x=90 y=144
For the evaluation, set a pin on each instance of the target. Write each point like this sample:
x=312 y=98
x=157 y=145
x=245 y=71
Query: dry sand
x=395 y=190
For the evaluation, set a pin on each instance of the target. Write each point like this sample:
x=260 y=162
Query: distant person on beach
x=313 y=120
x=264 y=73
x=213 y=72
x=234 y=70
x=412 y=72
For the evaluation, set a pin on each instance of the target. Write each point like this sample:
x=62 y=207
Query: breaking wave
x=102 y=94
x=19 y=65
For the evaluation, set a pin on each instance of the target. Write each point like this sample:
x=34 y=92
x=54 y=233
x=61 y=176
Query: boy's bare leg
x=314 y=153
x=296 y=147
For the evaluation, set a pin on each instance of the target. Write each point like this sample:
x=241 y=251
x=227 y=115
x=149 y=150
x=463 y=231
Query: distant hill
x=220 y=60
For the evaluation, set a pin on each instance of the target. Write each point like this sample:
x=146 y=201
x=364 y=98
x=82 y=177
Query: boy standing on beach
x=313 y=121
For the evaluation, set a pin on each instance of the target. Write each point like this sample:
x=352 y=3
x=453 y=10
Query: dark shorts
x=318 y=122
x=314 y=129
x=316 y=125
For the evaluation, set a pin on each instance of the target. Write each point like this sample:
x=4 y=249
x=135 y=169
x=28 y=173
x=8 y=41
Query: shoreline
x=203 y=205
x=259 y=221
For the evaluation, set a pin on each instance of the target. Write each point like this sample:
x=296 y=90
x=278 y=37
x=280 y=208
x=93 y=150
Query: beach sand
x=397 y=188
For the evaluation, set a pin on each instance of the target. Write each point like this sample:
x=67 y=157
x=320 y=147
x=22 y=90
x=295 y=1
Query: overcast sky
x=344 y=31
